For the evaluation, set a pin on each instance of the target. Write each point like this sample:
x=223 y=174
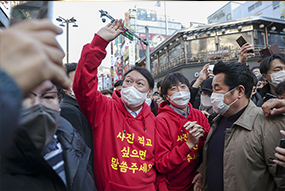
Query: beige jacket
x=249 y=152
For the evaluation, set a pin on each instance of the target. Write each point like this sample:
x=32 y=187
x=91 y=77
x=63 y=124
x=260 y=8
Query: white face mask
x=217 y=101
x=148 y=101
x=206 y=101
x=180 y=99
x=277 y=77
x=133 y=97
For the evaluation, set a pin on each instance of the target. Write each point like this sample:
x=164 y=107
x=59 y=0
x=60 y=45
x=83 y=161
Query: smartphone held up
x=241 y=41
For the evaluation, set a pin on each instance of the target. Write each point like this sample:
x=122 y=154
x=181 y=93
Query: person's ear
x=149 y=94
x=241 y=90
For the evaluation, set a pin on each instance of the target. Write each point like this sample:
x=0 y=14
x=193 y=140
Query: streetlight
x=67 y=21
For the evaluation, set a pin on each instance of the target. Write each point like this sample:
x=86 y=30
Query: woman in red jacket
x=181 y=132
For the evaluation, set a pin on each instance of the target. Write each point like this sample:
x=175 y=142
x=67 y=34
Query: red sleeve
x=166 y=157
x=86 y=81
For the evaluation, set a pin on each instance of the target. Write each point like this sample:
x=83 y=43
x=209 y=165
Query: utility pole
x=147 y=49
x=166 y=22
x=67 y=21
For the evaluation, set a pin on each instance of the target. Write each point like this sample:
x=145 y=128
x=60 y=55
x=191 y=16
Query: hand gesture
x=198 y=182
x=202 y=76
x=30 y=54
x=111 y=30
x=243 y=54
x=273 y=107
x=195 y=132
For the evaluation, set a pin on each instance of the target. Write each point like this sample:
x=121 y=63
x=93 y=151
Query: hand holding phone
x=269 y=96
x=280 y=169
x=241 y=41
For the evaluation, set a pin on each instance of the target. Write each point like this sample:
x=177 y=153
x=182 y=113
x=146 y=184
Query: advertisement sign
x=5 y=6
x=146 y=15
x=132 y=54
x=154 y=40
x=282 y=9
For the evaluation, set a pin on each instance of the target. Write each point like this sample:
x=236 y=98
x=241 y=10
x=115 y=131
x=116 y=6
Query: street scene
x=142 y=95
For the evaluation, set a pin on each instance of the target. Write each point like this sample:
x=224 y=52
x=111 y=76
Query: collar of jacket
x=246 y=119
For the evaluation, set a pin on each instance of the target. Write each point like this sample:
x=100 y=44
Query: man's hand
x=30 y=54
x=111 y=30
x=273 y=107
x=202 y=76
x=243 y=55
x=198 y=182
x=281 y=154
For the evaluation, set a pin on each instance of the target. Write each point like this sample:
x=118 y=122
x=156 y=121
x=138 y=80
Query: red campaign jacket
x=122 y=161
x=173 y=158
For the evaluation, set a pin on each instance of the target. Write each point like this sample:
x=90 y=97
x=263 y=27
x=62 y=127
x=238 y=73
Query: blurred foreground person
x=124 y=126
x=242 y=140
x=48 y=153
x=181 y=132
x=27 y=58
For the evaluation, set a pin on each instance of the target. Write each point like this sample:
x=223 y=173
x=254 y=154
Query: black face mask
x=41 y=123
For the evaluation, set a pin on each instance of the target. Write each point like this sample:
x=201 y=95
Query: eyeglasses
x=47 y=99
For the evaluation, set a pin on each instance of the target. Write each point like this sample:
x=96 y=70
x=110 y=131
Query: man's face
x=220 y=87
x=275 y=66
x=136 y=79
x=45 y=94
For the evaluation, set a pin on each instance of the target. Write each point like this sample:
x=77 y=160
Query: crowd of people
x=59 y=132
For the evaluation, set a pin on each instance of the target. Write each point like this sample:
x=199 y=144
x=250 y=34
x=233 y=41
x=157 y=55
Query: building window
x=255 y=5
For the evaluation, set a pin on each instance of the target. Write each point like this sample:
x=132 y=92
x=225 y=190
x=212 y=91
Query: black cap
x=207 y=85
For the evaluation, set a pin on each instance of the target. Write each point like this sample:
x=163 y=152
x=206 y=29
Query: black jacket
x=76 y=158
x=23 y=167
x=71 y=112
x=265 y=89
x=257 y=99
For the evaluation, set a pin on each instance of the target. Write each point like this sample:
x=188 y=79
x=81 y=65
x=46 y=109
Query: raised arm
x=85 y=80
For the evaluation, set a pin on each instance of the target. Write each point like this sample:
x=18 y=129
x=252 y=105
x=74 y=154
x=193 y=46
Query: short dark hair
x=265 y=63
x=118 y=83
x=145 y=72
x=158 y=84
x=70 y=67
x=172 y=79
x=255 y=67
x=236 y=74
x=280 y=88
